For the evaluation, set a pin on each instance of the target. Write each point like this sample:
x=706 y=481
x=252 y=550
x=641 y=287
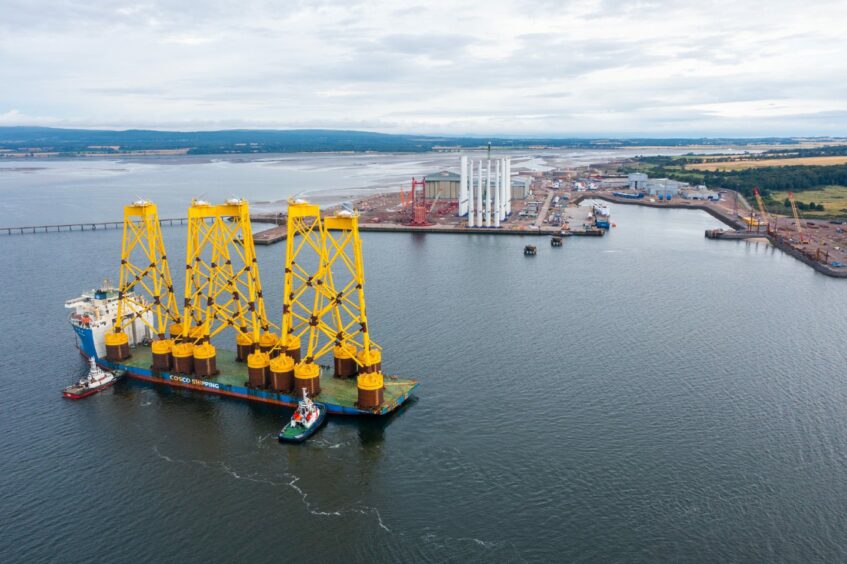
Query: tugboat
x=306 y=420
x=96 y=380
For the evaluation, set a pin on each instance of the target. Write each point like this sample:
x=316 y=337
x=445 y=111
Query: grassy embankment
x=833 y=198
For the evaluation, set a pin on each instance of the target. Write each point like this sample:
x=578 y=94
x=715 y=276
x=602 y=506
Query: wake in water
x=290 y=483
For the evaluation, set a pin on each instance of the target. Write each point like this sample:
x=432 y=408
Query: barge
x=139 y=328
x=94 y=313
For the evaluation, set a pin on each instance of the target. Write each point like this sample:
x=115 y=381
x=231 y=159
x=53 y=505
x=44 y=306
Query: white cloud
x=590 y=67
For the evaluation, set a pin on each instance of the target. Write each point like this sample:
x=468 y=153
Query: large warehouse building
x=444 y=184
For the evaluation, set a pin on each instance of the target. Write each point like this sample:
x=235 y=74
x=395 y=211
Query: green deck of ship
x=333 y=390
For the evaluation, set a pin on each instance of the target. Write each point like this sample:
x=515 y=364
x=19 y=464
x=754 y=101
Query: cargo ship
x=601 y=216
x=95 y=313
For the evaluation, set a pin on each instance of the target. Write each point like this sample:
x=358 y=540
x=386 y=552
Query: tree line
x=767 y=179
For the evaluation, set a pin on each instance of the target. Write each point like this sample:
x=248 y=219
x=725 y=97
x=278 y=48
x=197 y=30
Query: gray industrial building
x=520 y=187
x=637 y=181
x=665 y=187
x=444 y=184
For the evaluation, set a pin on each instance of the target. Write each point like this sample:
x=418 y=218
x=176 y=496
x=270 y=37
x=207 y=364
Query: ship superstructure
x=95 y=313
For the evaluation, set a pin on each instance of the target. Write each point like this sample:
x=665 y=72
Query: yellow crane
x=797 y=222
x=763 y=213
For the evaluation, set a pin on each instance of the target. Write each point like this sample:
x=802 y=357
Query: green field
x=833 y=198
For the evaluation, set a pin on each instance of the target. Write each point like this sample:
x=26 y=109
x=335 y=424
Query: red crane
x=418 y=201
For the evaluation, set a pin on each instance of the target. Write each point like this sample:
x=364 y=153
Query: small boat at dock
x=305 y=421
x=97 y=379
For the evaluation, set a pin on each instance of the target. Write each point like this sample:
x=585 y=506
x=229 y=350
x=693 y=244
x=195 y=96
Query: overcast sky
x=554 y=68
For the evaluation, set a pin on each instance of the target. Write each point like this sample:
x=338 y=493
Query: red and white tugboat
x=96 y=380
x=306 y=420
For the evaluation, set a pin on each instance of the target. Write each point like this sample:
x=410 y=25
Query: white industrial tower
x=467 y=170
x=479 y=195
x=485 y=193
x=497 y=194
x=463 y=187
x=488 y=193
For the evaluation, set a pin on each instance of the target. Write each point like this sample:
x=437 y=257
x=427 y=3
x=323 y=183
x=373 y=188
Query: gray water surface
x=648 y=396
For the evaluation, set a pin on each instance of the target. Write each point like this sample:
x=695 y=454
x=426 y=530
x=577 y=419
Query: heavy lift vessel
x=139 y=327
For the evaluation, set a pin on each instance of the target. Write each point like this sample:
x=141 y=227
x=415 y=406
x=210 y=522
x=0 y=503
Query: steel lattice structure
x=222 y=284
x=145 y=279
x=303 y=290
x=344 y=317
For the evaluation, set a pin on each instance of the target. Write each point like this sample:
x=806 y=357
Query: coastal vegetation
x=825 y=186
x=760 y=163
x=824 y=202
x=44 y=141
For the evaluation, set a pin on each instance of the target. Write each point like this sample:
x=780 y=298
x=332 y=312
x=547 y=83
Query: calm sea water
x=648 y=396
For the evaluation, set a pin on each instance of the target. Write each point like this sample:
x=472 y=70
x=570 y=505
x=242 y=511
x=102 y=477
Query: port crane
x=417 y=201
x=763 y=213
x=797 y=222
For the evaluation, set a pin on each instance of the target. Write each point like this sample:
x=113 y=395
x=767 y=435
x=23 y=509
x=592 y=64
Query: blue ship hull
x=87 y=349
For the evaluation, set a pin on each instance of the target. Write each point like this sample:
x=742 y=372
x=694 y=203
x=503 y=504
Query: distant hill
x=87 y=141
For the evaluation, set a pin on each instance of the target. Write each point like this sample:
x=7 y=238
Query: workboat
x=97 y=379
x=305 y=421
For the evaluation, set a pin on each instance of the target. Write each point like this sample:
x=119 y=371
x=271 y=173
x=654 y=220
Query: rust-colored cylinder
x=257 y=370
x=294 y=353
x=308 y=377
x=371 y=362
x=291 y=346
x=183 y=355
x=370 y=387
x=162 y=350
x=282 y=381
x=162 y=362
x=204 y=360
x=344 y=360
x=117 y=352
x=281 y=373
x=117 y=346
x=369 y=399
x=243 y=347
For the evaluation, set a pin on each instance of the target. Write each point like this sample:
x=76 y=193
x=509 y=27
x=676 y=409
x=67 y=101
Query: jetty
x=87 y=226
